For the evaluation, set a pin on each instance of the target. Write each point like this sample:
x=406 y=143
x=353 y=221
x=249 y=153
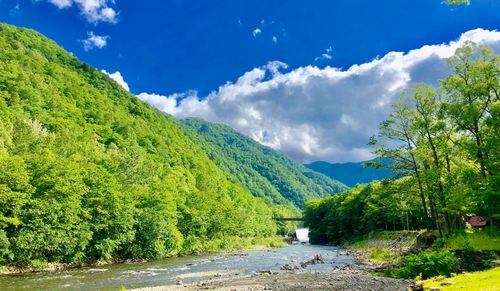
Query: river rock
x=318 y=259
x=288 y=267
x=418 y=286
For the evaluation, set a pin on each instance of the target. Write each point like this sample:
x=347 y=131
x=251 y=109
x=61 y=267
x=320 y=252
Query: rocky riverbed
x=343 y=278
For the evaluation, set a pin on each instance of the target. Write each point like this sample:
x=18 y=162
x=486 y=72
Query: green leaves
x=444 y=144
x=89 y=172
x=428 y=264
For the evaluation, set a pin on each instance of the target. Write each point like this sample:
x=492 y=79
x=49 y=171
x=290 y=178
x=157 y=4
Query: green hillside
x=88 y=172
x=263 y=171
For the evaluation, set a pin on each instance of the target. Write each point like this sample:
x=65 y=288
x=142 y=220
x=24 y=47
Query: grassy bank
x=483 y=280
x=402 y=254
x=487 y=240
x=383 y=248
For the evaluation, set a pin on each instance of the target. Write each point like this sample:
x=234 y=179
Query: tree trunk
x=419 y=180
x=480 y=155
x=440 y=183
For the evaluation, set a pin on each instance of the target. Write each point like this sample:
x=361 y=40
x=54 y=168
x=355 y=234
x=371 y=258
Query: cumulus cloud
x=312 y=113
x=256 y=32
x=94 y=41
x=94 y=11
x=117 y=76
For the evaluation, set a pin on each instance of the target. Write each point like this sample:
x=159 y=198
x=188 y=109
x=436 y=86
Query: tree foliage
x=89 y=172
x=444 y=143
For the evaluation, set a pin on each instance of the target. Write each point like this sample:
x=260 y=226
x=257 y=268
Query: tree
x=398 y=126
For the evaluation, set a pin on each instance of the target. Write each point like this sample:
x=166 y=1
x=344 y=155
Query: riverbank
x=482 y=280
x=452 y=262
x=241 y=245
x=383 y=249
x=338 y=278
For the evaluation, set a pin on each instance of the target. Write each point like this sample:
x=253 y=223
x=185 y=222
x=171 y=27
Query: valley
x=114 y=183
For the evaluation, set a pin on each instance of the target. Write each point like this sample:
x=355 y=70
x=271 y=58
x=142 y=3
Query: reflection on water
x=168 y=271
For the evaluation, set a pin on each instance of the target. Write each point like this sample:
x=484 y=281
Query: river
x=185 y=269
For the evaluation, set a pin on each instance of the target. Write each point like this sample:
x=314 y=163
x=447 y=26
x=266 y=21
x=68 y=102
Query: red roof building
x=477 y=221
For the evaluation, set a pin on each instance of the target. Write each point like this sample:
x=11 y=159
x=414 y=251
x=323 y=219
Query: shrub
x=427 y=264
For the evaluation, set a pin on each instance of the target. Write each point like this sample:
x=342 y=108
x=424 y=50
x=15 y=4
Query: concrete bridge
x=288 y=218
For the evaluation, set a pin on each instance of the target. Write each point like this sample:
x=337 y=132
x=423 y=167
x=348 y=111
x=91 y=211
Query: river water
x=170 y=271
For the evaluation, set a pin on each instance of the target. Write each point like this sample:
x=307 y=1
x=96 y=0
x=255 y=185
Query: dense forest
x=89 y=172
x=445 y=146
x=351 y=174
x=260 y=169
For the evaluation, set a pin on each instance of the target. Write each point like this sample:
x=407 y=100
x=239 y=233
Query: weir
x=302 y=234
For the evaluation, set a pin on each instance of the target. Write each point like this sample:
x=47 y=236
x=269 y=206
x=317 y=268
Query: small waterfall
x=302 y=234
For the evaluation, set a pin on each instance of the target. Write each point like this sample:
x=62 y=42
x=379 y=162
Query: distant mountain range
x=349 y=173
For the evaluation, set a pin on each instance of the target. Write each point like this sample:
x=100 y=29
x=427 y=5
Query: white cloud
x=15 y=11
x=312 y=113
x=94 y=41
x=256 y=32
x=94 y=11
x=327 y=55
x=275 y=39
x=117 y=76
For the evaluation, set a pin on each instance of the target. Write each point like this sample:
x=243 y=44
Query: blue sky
x=174 y=46
x=187 y=49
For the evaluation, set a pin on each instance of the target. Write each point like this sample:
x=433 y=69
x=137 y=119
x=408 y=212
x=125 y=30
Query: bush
x=471 y=260
x=427 y=264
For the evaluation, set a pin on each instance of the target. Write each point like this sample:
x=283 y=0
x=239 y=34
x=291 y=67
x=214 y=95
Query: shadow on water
x=187 y=269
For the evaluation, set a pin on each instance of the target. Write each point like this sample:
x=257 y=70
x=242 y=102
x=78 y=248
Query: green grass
x=485 y=280
x=384 y=247
x=390 y=235
x=477 y=241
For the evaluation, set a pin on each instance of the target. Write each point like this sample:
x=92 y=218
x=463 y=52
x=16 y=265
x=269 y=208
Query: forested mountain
x=88 y=171
x=260 y=169
x=350 y=173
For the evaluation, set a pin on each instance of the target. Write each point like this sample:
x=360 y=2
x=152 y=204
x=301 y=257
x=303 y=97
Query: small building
x=478 y=222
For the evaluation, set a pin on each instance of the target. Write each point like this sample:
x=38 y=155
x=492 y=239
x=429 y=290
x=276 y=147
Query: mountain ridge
x=263 y=171
x=350 y=173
